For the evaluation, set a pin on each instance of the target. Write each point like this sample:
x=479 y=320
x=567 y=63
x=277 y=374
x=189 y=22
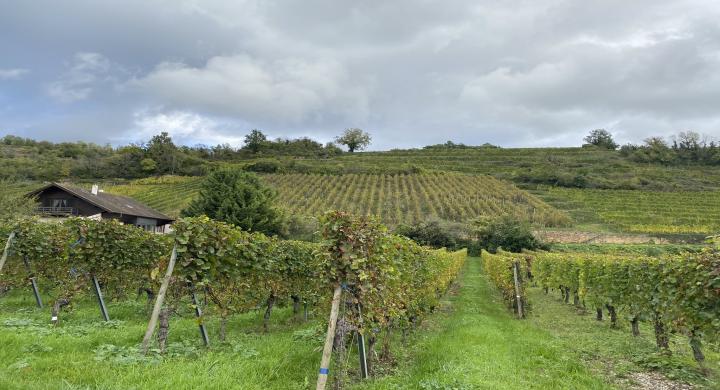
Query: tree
x=354 y=139
x=601 y=138
x=255 y=140
x=163 y=151
x=237 y=197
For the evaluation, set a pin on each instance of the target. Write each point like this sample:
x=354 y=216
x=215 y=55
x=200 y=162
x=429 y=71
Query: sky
x=410 y=72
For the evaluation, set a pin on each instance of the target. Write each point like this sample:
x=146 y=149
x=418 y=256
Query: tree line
x=28 y=159
x=687 y=147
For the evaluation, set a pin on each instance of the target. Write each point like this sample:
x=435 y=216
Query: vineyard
x=594 y=168
x=394 y=198
x=385 y=282
x=646 y=211
x=671 y=293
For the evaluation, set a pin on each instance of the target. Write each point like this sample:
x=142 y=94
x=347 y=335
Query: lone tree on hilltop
x=238 y=197
x=354 y=139
x=601 y=138
x=255 y=140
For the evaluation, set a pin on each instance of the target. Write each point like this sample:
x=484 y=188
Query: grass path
x=476 y=343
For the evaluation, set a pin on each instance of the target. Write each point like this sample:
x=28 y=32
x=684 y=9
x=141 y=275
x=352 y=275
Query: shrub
x=507 y=233
x=264 y=166
x=435 y=234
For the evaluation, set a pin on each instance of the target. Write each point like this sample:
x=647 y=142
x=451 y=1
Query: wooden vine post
x=518 y=296
x=159 y=301
x=327 y=350
x=4 y=257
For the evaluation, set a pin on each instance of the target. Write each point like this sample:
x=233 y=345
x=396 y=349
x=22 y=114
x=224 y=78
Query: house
x=62 y=200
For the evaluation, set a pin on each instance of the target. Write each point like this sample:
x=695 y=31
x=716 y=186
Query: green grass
x=615 y=353
x=472 y=341
x=249 y=360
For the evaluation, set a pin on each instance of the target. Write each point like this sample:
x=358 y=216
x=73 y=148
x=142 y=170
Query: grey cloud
x=78 y=82
x=12 y=74
x=291 y=90
x=515 y=73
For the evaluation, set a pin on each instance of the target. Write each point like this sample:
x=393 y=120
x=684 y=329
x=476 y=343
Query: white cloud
x=184 y=127
x=82 y=77
x=289 y=91
x=12 y=74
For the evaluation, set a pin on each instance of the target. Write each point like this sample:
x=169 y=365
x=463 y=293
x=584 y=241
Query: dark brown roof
x=109 y=202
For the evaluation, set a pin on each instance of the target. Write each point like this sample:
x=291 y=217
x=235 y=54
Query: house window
x=56 y=203
x=146 y=223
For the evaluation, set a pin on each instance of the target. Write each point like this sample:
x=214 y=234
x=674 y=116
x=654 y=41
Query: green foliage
x=393 y=279
x=507 y=233
x=435 y=234
x=238 y=198
x=688 y=147
x=14 y=205
x=677 y=291
x=64 y=255
x=241 y=270
x=255 y=140
x=601 y=138
x=354 y=139
x=499 y=268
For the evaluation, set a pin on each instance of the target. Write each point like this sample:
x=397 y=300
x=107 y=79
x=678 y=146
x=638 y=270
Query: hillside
x=394 y=198
x=642 y=211
x=563 y=167
x=688 y=169
x=600 y=190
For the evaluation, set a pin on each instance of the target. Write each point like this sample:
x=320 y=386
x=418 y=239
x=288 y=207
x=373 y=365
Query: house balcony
x=57 y=211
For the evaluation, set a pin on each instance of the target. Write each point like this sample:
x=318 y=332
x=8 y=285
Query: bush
x=435 y=234
x=264 y=166
x=507 y=233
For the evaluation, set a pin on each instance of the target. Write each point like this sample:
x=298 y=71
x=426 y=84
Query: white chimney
x=94 y=189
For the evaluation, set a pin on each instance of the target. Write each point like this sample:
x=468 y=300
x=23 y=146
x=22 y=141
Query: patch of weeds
x=314 y=334
x=69 y=386
x=434 y=384
x=245 y=352
x=672 y=367
x=112 y=324
x=19 y=365
x=181 y=349
x=36 y=347
x=123 y=355
x=18 y=323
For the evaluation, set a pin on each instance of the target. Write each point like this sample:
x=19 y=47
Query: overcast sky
x=413 y=72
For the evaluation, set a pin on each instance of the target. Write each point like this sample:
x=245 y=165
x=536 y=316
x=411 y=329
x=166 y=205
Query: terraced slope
x=645 y=211
x=569 y=167
x=395 y=198
x=168 y=194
